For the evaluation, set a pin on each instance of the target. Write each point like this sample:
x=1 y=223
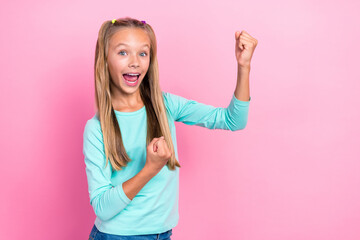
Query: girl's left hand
x=244 y=48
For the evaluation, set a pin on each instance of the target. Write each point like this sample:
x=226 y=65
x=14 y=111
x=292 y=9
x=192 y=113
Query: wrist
x=149 y=171
x=245 y=68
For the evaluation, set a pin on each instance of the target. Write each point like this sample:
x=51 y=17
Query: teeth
x=132 y=74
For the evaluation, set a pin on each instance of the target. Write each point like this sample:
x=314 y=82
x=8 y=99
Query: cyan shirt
x=155 y=208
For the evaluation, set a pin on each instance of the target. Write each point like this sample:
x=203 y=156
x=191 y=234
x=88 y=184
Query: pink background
x=292 y=173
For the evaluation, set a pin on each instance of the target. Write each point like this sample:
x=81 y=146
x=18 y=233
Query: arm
x=235 y=116
x=244 y=49
x=107 y=200
x=242 y=90
x=133 y=186
x=191 y=112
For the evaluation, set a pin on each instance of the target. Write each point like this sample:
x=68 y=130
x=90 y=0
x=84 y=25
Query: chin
x=130 y=89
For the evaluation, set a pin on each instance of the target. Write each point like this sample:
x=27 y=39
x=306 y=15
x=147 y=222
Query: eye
x=145 y=54
x=121 y=52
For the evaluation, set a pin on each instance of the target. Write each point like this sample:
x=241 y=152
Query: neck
x=126 y=102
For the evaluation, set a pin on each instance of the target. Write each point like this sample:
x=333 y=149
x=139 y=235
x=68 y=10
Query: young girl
x=130 y=144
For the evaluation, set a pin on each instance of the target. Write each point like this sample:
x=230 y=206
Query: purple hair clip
x=143 y=22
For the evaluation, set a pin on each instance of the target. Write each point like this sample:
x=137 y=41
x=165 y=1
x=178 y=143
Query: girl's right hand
x=157 y=154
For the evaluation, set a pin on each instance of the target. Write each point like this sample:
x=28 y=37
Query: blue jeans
x=95 y=234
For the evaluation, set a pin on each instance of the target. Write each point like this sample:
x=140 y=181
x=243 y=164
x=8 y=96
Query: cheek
x=116 y=69
x=146 y=64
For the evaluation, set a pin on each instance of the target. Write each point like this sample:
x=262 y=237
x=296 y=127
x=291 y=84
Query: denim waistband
x=96 y=234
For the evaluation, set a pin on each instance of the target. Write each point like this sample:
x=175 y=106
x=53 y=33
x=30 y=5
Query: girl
x=130 y=144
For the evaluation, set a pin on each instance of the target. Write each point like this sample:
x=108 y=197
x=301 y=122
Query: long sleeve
x=191 y=112
x=107 y=200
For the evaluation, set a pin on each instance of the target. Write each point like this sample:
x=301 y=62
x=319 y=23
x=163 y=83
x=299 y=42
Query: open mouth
x=131 y=77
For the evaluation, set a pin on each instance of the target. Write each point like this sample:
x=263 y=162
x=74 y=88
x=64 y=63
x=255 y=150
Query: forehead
x=131 y=37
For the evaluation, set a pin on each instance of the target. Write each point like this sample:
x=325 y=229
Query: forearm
x=242 y=90
x=132 y=186
x=112 y=201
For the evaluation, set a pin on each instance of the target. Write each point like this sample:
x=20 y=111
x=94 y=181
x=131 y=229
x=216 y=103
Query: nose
x=134 y=62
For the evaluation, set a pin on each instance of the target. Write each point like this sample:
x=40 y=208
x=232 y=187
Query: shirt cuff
x=122 y=194
x=245 y=103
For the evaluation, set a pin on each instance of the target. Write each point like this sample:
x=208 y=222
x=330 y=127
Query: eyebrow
x=146 y=45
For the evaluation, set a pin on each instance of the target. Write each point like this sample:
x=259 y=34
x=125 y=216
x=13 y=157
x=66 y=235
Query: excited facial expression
x=128 y=60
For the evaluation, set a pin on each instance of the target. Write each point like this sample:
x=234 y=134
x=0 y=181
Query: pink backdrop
x=292 y=173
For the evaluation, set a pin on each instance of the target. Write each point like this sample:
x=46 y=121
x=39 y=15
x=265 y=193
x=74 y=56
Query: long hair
x=150 y=92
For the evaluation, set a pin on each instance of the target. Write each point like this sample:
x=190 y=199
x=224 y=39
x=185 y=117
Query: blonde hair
x=150 y=91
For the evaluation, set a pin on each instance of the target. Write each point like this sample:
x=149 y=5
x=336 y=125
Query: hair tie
x=114 y=20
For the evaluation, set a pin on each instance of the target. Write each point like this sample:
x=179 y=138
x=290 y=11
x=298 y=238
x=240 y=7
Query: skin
x=133 y=57
x=244 y=49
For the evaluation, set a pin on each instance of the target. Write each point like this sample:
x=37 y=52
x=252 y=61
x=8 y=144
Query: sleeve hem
x=123 y=196
x=240 y=101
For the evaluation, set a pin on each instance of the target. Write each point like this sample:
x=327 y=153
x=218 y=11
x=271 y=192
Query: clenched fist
x=244 y=48
x=157 y=154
